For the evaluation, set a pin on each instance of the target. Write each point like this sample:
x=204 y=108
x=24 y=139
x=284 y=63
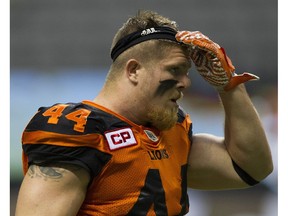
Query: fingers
x=197 y=39
x=211 y=61
x=187 y=36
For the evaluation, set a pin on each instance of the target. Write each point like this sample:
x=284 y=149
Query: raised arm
x=242 y=157
x=52 y=190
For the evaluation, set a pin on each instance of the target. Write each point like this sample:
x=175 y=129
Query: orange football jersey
x=134 y=170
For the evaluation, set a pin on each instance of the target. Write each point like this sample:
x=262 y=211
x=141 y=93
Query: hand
x=212 y=62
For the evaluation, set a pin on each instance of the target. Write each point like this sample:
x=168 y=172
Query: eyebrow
x=182 y=65
x=187 y=64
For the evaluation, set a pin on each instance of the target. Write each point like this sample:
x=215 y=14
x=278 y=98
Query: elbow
x=265 y=163
x=270 y=168
x=267 y=169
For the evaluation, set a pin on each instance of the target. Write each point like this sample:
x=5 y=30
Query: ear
x=132 y=70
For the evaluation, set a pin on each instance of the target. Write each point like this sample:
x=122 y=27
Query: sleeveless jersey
x=134 y=170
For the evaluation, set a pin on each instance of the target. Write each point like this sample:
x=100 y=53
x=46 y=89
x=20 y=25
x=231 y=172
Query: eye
x=174 y=70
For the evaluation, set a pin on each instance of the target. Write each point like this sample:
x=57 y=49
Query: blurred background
x=59 y=52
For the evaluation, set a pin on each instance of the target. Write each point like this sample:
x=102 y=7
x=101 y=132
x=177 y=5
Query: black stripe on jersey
x=190 y=133
x=181 y=115
x=88 y=158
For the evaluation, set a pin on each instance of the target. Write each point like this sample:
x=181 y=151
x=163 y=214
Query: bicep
x=210 y=165
x=52 y=190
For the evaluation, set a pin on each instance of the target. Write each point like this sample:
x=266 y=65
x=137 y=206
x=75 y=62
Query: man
x=131 y=150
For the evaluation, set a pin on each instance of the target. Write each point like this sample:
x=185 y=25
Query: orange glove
x=212 y=62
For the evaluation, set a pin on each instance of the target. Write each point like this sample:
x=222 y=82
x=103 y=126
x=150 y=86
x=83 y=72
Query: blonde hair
x=142 y=20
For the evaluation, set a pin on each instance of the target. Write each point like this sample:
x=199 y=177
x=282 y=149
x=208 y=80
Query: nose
x=183 y=82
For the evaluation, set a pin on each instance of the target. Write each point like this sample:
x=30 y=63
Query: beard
x=162 y=118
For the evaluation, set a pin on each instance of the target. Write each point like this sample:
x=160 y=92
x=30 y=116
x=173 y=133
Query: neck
x=121 y=104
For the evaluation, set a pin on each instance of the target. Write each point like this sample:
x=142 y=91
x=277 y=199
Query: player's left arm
x=242 y=158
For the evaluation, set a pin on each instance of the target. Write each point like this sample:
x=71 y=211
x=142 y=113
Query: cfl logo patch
x=120 y=138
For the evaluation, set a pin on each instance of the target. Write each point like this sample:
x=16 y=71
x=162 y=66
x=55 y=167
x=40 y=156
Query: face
x=166 y=80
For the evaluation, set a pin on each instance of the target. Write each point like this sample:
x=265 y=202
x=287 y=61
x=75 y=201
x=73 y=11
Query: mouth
x=174 y=103
x=173 y=100
x=176 y=98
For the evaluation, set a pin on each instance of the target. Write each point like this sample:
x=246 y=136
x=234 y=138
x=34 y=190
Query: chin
x=163 y=119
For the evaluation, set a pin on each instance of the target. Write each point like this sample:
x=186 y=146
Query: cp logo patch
x=120 y=138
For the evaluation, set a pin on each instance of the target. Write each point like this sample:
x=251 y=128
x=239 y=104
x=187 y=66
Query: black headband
x=140 y=36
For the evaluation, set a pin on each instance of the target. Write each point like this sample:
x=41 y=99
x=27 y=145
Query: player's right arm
x=52 y=190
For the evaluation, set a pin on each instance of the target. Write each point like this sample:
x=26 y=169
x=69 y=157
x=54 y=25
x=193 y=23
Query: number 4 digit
x=55 y=113
x=153 y=194
x=80 y=117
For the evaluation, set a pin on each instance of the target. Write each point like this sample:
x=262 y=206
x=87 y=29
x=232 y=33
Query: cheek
x=148 y=87
x=146 y=93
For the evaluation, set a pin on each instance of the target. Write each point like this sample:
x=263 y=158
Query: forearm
x=245 y=137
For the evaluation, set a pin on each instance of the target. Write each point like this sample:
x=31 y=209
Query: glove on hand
x=212 y=62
